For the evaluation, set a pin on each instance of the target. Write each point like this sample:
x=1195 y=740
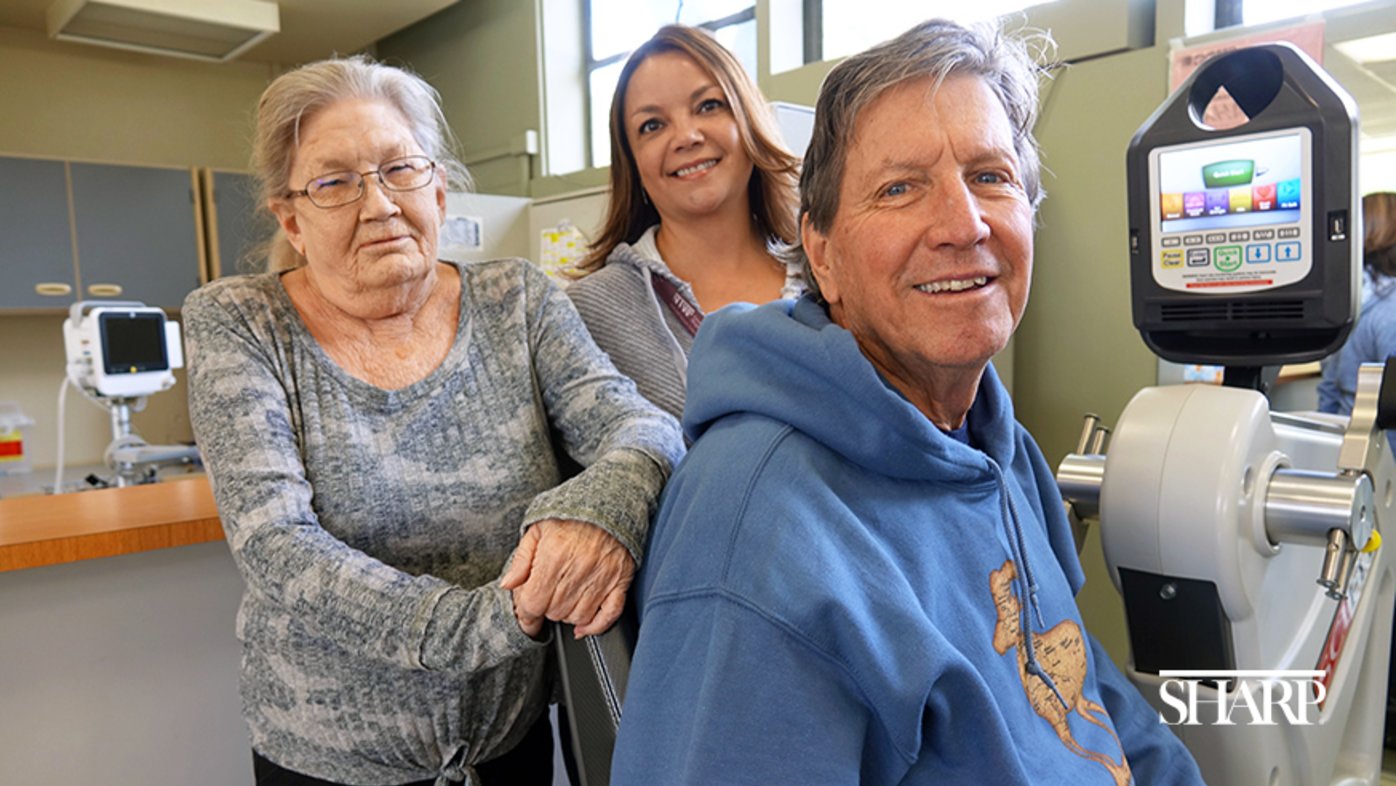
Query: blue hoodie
x=835 y=591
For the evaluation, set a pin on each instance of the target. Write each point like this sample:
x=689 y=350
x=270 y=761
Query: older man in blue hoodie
x=862 y=572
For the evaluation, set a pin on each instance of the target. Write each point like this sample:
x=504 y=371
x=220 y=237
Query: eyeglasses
x=335 y=189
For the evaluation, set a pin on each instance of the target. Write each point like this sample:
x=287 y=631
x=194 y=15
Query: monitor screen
x=1232 y=216
x=133 y=342
x=1247 y=183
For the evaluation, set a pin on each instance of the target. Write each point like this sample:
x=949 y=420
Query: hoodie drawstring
x=1028 y=584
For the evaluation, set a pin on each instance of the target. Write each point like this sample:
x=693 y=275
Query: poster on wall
x=1223 y=112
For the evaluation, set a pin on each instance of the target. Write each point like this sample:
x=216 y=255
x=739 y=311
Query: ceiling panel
x=1372 y=85
x=310 y=29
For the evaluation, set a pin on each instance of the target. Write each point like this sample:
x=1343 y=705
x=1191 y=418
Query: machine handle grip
x=1386 y=399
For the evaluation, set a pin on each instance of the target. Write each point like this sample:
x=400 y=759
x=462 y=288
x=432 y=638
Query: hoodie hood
x=790 y=362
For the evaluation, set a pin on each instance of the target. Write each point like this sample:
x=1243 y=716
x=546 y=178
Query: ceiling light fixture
x=216 y=30
x=1372 y=49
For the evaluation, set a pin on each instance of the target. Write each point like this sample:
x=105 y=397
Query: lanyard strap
x=689 y=316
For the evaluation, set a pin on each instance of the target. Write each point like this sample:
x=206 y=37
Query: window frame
x=1229 y=13
x=590 y=63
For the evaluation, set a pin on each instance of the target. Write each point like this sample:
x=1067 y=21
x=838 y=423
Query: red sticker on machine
x=1337 y=637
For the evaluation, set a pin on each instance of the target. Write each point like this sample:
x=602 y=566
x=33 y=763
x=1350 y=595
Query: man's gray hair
x=936 y=48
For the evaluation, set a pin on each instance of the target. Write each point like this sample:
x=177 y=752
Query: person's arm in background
x=565 y=570
x=1329 y=399
x=1379 y=339
x=238 y=404
x=1371 y=341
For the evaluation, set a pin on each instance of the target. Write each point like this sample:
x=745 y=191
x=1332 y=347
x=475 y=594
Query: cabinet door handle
x=53 y=288
x=104 y=290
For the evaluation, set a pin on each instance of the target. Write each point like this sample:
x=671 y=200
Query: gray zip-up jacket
x=645 y=340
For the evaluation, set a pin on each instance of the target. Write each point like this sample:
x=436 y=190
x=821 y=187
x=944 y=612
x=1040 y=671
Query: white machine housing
x=1185 y=492
x=1246 y=543
x=121 y=349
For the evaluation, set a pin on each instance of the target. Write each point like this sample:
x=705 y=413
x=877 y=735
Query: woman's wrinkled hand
x=568 y=571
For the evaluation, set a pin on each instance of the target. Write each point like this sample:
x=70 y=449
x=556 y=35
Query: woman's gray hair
x=296 y=95
x=936 y=48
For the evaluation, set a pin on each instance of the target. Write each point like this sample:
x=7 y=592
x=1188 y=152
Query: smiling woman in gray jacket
x=703 y=202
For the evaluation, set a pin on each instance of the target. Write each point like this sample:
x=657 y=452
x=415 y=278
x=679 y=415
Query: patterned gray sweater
x=371 y=526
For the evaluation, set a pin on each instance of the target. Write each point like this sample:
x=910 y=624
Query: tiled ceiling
x=310 y=29
x=1372 y=85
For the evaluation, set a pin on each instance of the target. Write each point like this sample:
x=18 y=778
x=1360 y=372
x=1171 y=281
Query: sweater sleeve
x=243 y=406
x=627 y=445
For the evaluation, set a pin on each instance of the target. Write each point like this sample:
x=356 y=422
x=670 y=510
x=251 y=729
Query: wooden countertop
x=53 y=529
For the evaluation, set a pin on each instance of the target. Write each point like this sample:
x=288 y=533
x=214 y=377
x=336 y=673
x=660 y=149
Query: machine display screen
x=1232 y=215
x=1249 y=183
x=133 y=342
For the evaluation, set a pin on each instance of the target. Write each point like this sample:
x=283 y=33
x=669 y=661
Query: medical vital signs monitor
x=121 y=349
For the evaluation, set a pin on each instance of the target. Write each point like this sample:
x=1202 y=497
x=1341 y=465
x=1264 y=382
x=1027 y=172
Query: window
x=817 y=30
x=616 y=27
x=848 y=26
x=613 y=28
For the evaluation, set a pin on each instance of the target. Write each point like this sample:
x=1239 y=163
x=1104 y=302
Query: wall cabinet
x=78 y=231
x=37 y=269
x=236 y=226
x=137 y=233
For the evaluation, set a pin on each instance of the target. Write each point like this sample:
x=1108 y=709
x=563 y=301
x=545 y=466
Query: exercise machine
x=1244 y=542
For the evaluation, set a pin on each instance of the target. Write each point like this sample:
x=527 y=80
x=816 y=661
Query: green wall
x=1080 y=351
x=65 y=100
x=482 y=55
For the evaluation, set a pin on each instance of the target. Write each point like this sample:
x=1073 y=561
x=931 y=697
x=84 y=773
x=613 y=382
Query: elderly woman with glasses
x=380 y=429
